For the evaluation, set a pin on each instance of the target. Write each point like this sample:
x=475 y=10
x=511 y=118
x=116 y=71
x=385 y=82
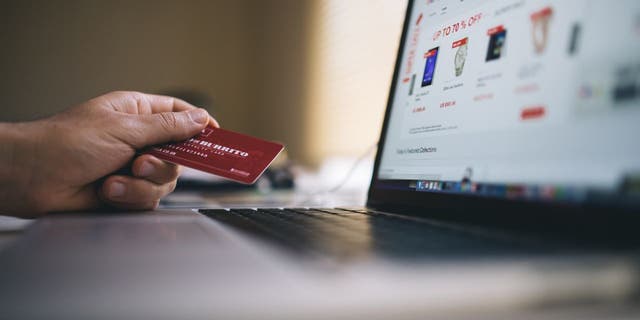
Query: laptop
x=508 y=159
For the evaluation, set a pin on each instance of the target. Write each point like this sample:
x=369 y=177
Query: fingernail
x=200 y=116
x=116 y=190
x=146 y=169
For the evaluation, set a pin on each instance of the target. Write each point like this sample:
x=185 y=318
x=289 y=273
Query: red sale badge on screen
x=225 y=153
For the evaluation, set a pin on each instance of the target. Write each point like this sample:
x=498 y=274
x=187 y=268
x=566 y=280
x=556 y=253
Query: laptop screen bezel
x=461 y=206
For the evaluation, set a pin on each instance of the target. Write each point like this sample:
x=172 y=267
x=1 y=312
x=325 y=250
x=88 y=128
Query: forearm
x=15 y=146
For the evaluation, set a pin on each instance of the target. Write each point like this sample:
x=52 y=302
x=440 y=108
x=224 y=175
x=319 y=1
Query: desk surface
x=11 y=229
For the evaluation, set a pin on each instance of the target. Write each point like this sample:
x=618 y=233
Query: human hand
x=74 y=160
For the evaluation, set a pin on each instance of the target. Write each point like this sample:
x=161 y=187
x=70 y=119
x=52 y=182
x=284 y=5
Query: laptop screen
x=526 y=100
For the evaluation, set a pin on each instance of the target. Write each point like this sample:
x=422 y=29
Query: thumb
x=165 y=127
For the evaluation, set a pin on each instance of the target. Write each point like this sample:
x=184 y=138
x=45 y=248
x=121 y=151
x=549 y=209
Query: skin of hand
x=75 y=160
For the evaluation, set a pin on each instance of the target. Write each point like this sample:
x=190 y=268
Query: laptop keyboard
x=353 y=233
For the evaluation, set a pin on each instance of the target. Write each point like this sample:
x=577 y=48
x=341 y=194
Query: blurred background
x=312 y=74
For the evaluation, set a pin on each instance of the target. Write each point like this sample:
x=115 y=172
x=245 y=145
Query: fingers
x=143 y=103
x=154 y=180
x=155 y=170
x=133 y=193
x=151 y=129
x=160 y=104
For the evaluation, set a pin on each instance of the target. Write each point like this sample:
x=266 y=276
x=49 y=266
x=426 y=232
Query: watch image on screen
x=461 y=55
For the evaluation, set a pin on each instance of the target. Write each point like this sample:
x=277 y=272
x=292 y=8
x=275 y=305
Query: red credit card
x=225 y=153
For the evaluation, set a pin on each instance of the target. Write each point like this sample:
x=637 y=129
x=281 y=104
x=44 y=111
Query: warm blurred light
x=352 y=54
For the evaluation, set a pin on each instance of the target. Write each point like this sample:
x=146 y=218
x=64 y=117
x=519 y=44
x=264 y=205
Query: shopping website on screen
x=517 y=92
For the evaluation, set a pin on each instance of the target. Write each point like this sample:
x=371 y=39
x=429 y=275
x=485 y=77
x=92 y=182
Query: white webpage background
x=577 y=142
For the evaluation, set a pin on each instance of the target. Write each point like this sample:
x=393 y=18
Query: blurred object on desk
x=340 y=181
x=336 y=176
x=11 y=229
x=277 y=176
x=11 y=224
